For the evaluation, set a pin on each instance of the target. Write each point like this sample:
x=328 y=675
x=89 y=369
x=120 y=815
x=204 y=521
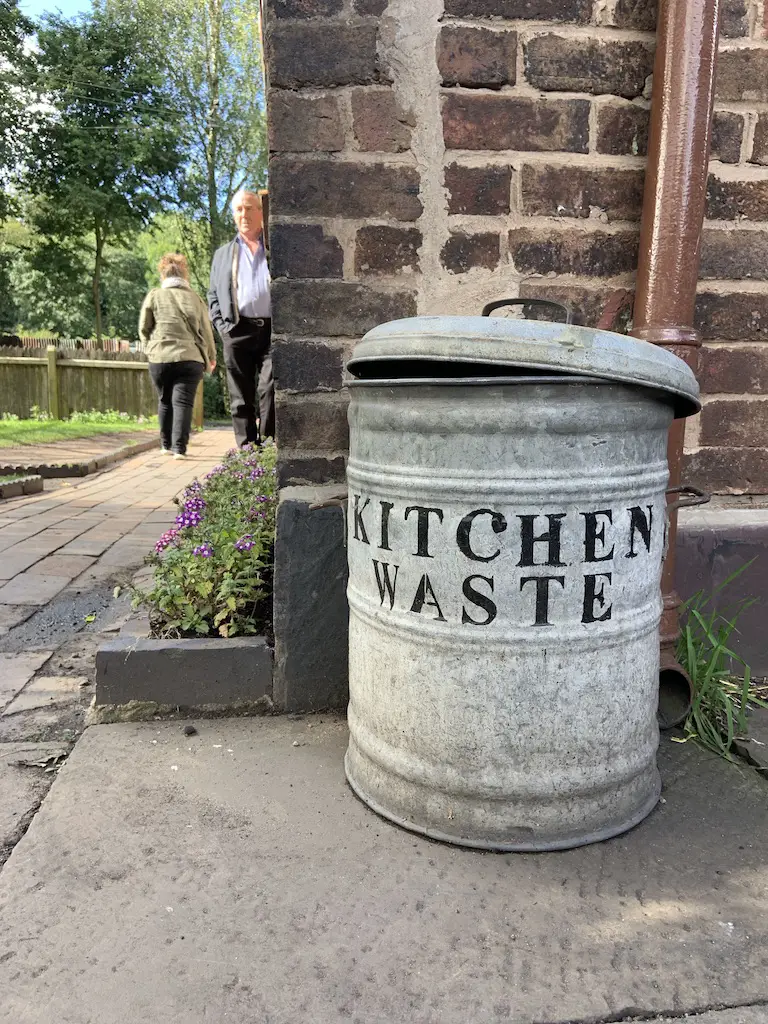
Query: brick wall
x=430 y=157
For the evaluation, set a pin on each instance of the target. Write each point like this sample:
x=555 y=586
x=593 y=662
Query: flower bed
x=213 y=568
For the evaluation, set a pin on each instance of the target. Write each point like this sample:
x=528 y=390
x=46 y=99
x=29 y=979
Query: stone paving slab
x=232 y=875
x=32 y=588
x=13 y=614
x=755 y=748
x=16 y=670
x=22 y=785
x=45 y=691
x=64 y=565
x=14 y=562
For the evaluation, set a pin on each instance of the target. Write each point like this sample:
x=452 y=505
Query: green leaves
x=228 y=591
x=722 y=683
x=106 y=146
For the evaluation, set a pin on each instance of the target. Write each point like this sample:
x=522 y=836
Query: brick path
x=91 y=527
x=61 y=554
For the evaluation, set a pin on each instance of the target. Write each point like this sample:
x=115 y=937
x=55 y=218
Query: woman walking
x=176 y=335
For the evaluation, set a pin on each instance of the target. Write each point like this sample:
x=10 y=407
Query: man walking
x=240 y=309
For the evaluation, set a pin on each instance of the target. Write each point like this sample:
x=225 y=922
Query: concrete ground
x=233 y=876
x=62 y=553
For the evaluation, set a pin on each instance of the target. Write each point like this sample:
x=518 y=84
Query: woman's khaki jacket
x=174 y=326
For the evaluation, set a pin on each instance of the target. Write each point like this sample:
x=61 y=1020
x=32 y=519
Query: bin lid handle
x=489 y=307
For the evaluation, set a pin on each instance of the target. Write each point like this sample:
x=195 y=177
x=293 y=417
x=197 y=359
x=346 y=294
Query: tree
x=14 y=64
x=104 y=157
x=49 y=286
x=212 y=52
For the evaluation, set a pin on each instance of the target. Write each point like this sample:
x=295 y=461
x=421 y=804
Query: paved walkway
x=62 y=553
x=77 y=449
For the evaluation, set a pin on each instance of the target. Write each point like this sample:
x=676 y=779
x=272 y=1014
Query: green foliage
x=213 y=569
x=51 y=287
x=212 y=52
x=148 y=117
x=722 y=684
x=14 y=108
x=41 y=429
x=103 y=159
x=215 y=391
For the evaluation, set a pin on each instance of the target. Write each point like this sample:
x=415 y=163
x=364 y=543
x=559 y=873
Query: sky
x=34 y=8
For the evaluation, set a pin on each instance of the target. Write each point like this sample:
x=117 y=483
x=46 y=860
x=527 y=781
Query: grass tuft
x=723 y=688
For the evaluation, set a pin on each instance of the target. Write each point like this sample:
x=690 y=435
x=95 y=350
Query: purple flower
x=169 y=537
x=188 y=519
x=245 y=543
x=203 y=550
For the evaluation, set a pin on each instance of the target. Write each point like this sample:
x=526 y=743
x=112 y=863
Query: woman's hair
x=173 y=264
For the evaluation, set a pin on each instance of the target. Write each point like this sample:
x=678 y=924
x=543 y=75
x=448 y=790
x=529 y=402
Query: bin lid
x=498 y=342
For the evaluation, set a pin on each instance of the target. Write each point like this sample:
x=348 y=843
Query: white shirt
x=253 y=281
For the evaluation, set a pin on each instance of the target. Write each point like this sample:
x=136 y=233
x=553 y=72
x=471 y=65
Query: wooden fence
x=44 y=340
x=61 y=382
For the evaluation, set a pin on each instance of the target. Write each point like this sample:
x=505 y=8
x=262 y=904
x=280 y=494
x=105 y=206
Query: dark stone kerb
x=183 y=673
x=311 y=612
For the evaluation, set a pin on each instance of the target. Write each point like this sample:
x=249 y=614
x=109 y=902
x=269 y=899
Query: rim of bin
x=534 y=345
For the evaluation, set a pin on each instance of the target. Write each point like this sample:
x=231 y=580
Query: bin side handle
x=694 y=496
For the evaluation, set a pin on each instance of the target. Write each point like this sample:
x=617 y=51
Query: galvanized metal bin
x=506 y=534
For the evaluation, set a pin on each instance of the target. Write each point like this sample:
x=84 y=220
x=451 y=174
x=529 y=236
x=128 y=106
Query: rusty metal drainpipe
x=670 y=240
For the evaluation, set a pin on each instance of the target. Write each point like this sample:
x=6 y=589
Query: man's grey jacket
x=222 y=290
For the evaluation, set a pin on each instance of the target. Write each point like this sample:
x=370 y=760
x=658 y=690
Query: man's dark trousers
x=248 y=359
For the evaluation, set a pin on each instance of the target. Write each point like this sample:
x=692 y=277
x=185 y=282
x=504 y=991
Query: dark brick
x=515 y=122
x=589 y=254
x=313 y=423
x=734 y=19
x=572 y=191
x=736 y=316
x=312 y=54
x=304 y=8
x=760 y=144
x=304 y=250
x=731 y=200
x=742 y=74
x=587 y=304
x=734 y=371
x=385 y=250
x=299 y=124
x=379 y=123
x=344 y=189
x=311 y=470
x=727 y=133
x=373 y=7
x=728 y=470
x=734 y=423
x=476 y=56
x=301 y=365
x=640 y=14
x=462 y=252
x=622 y=129
x=579 y=11
x=562 y=64
x=734 y=255
x=333 y=309
x=478 y=190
